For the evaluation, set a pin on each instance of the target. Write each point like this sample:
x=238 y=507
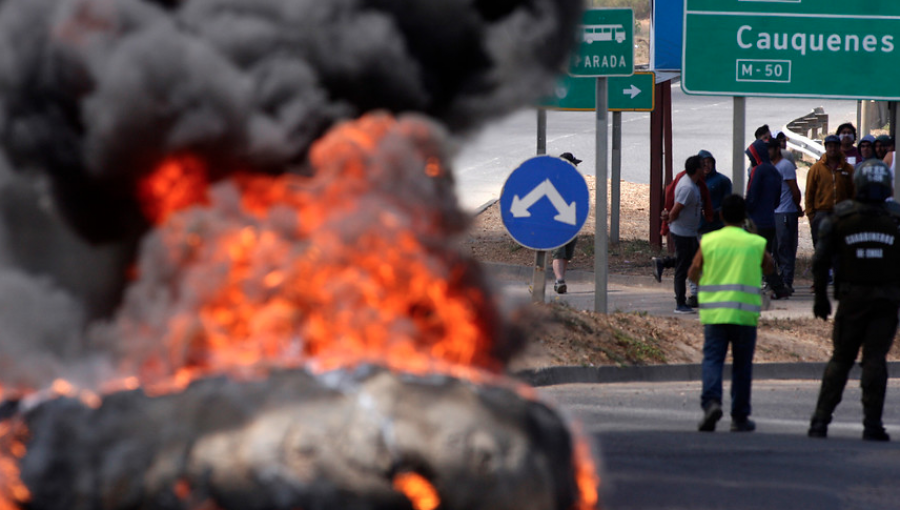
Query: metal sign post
x=615 y=192
x=539 y=276
x=601 y=243
x=739 y=116
x=605 y=49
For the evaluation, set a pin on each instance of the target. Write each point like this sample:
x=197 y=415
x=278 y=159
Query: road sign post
x=738 y=130
x=615 y=182
x=832 y=49
x=601 y=241
x=605 y=49
x=539 y=275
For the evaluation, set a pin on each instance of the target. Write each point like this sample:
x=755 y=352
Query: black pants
x=870 y=325
x=685 y=248
x=814 y=225
x=776 y=283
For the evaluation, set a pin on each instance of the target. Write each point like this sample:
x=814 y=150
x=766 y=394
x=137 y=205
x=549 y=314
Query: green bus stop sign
x=604 y=44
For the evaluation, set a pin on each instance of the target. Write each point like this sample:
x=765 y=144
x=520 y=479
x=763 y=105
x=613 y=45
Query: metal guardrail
x=802 y=133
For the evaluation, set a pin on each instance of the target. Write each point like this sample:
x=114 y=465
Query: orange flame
x=13 y=437
x=179 y=182
x=327 y=271
x=183 y=491
x=418 y=490
x=585 y=474
x=330 y=271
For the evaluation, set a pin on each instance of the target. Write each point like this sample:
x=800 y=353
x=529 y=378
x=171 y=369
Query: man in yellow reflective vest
x=729 y=266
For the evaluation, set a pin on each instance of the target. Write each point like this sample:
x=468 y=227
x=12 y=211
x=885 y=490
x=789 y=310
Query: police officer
x=861 y=240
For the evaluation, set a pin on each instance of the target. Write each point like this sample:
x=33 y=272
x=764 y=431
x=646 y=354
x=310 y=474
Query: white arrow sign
x=633 y=91
x=520 y=206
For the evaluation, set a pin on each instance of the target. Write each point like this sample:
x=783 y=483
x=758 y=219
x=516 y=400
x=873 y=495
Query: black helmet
x=873 y=181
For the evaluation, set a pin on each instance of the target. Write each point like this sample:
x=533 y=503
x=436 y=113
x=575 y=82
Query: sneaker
x=711 y=416
x=684 y=309
x=745 y=425
x=692 y=302
x=818 y=429
x=875 y=435
x=781 y=294
x=657 y=269
x=560 y=287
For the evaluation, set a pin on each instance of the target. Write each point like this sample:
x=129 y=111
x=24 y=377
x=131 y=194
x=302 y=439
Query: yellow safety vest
x=732 y=276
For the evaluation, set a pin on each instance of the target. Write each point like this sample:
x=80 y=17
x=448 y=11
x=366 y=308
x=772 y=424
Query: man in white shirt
x=684 y=221
x=787 y=215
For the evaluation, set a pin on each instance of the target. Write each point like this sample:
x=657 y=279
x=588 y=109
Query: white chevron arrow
x=566 y=212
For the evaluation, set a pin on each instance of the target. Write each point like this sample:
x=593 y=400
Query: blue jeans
x=786 y=232
x=715 y=347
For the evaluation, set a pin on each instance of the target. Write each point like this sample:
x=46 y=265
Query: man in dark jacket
x=860 y=241
x=763 y=197
x=719 y=187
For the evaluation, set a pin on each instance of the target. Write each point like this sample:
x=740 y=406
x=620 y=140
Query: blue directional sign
x=544 y=203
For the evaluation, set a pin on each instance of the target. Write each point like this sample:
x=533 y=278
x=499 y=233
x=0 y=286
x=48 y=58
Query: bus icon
x=598 y=33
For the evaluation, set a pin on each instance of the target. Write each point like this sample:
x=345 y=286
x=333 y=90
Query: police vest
x=868 y=245
x=732 y=277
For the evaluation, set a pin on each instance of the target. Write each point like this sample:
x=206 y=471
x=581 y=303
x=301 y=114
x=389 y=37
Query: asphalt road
x=653 y=457
x=699 y=122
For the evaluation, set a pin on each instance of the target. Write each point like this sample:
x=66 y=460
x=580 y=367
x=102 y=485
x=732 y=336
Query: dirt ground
x=565 y=336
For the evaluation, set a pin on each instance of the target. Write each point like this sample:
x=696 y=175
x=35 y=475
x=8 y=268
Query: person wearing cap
x=847 y=134
x=719 y=187
x=562 y=255
x=860 y=242
x=787 y=215
x=829 y=181
x=866 y=148
x=782 y=140
x=883 y=145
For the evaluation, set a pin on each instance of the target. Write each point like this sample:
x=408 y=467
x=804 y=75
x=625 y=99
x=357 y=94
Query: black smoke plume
x=95 y=94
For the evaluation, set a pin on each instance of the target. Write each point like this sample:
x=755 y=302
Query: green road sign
x=792 y=48
x=625 y=94
x=604 y=44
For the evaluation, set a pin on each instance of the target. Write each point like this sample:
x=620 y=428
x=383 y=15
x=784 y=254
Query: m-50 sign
x=791 y=48
x=764 y=70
